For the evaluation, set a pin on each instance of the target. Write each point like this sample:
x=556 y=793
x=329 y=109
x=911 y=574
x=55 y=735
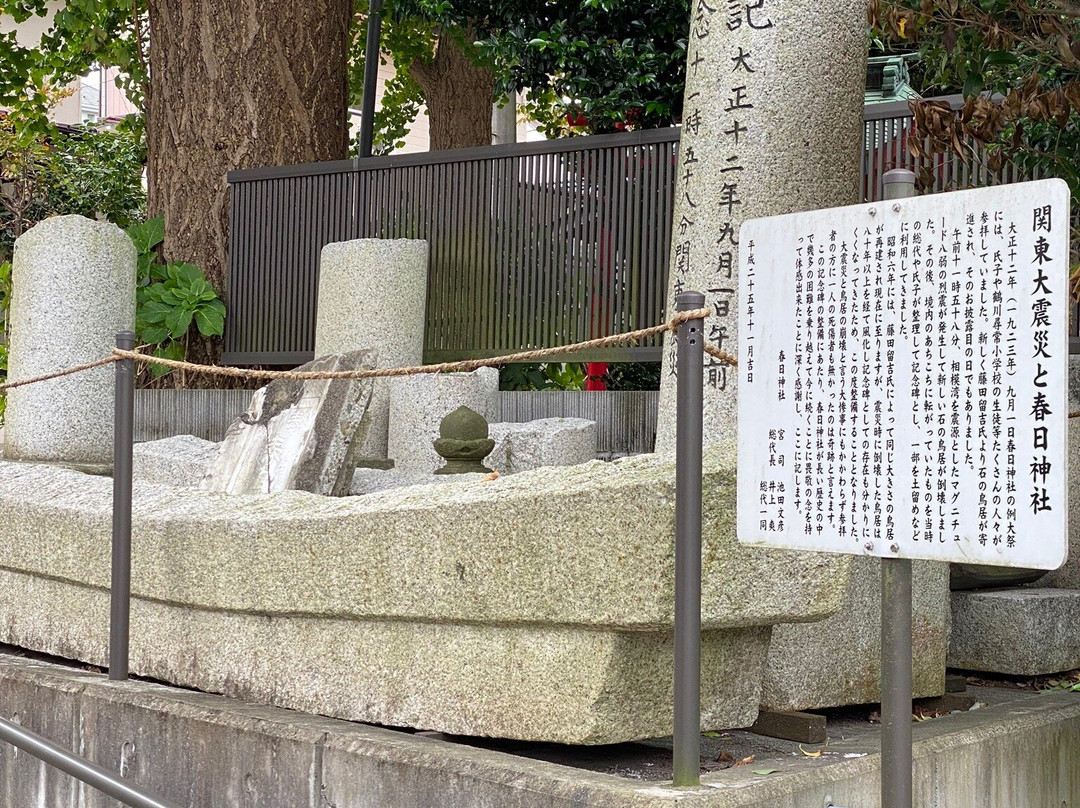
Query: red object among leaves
x=594 y=375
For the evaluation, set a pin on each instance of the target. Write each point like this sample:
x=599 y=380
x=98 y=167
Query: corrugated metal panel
x=625 y=421
x=203 y=413
x=531 y=245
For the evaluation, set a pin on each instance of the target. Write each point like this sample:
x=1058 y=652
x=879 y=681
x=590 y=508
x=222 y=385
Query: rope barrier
x=108 y=360
x=382 y=373
x=378 y=373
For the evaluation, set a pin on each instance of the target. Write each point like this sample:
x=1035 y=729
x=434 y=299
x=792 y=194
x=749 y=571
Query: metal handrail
x=95 y=776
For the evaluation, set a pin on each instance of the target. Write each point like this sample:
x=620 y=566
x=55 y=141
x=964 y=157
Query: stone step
x=1021 y=631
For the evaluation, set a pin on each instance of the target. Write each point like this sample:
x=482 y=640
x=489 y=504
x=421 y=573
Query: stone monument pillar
x=372 y=294
x=772 y=123
x=73 y=289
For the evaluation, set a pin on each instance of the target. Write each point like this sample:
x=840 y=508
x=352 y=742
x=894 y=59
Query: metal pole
x=686 y=765
x=896 y=789
x=120 y=585
x=95 y=776
x=895 y=683
x=371 y=75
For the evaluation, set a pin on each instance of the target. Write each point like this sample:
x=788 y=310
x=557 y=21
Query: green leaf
x=181 y=322
x=152 y=335
x=148 y=234
x=1000 y=58
x=765 y=771
x=973 y=84
x=155 y=312
x=210 y=322
x=184 y=273
x=173 y=350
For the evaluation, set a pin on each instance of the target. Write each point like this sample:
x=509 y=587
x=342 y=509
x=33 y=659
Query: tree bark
x=236 y=84
x=458 y=94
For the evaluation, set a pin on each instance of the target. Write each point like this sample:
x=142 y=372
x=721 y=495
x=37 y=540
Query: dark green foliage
x=94 y=172
x=1018 y=64
x=170 y=298
x=542 y=376
x=591 y=67
x=633 y=376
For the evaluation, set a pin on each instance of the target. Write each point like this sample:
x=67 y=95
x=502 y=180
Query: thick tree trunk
x=458 y=94
x=236 y=84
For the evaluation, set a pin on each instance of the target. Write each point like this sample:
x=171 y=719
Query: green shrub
x=170 y=299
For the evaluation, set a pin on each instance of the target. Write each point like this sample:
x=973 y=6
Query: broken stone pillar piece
x=297 y=434
x=372 y=293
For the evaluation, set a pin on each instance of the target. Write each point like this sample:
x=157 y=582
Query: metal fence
x=531 y=245
x=885 y=146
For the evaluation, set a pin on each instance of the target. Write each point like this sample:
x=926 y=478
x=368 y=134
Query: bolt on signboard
x=903 y=378
x=903 y=393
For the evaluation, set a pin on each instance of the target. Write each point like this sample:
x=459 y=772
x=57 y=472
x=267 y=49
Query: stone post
x=372 y=294
x=418 y=405
x=772 y=123
x=73 y=289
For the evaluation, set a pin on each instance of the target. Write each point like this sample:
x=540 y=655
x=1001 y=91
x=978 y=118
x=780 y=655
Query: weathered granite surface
x=544 y=442
x=73 y=289
x=772 y=124
x=518 y=590
x=1026 y=631
x=299 y=434
x=369 y=481
x=837 y=661
x=545 y=683
x=181 y=460
x=372 y=294
x=419 y=403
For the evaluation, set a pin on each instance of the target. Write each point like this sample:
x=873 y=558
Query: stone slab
x=837 y=661
x=371 y=481
x=419 y=403
x=181 y=460
x=300 y=434
x=791 y=726
x=73 y=289
x=528 y=591
x=541 y=547
x=372 y=294
x=1021 y=632
x=192 y=748
x=538 y=683
x=539 y=443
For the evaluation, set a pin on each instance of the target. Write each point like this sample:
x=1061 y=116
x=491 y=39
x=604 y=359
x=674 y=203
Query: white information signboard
x=903 y=377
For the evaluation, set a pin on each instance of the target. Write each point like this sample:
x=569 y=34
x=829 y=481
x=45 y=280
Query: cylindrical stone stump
x=419 y=403
x=73 y=289
x=372 y=294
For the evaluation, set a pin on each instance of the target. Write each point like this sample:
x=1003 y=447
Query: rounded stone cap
x=464 y=424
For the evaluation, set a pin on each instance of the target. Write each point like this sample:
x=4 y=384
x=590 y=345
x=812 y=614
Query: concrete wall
x=203 y=751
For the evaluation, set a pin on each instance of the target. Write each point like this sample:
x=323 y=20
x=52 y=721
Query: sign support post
x=903 y=370
x=896 y=684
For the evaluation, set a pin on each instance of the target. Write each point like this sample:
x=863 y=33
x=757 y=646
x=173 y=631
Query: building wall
x=99 y=84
